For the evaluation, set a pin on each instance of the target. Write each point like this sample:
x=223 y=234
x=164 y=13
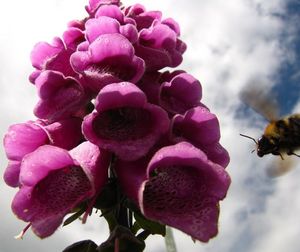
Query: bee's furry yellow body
x=280 y=136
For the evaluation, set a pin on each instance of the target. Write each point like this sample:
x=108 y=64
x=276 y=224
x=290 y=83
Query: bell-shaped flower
x=74 y=35
x=65 y=133
x=201 y=128
x=159 y=46
x=124 y=122
x=179 y=187
x=109 y=59
x=150 y=84
x=24 y=138
x=144 y=19
x=52 y=183
x=180 y=94
x=159 y=89
x=96 y=27
x=95 y=4
x=112 y=11
x=127 y=25
x=55 y=57
x=60 y=96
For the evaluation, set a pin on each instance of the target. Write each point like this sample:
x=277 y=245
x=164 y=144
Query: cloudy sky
x=230 y=47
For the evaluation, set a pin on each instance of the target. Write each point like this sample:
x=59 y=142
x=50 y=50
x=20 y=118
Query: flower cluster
x=107 y=110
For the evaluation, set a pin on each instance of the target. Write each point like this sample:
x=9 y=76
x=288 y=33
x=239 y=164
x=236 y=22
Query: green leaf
x=82 y=246
x=152 y=226
x=111 y=219
x=75 y=216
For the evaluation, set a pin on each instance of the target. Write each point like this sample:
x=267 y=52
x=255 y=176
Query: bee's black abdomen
x=291 y=132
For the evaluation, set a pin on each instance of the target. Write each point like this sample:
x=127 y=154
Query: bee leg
x=292 y=153
x=281 y=156
x=277 y=154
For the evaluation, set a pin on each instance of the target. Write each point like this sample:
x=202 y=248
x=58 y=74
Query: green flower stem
x=122 y=216
x=169 y=240
x=111 y=220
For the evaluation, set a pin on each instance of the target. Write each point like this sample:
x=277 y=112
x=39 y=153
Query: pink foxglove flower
x=109 y=19
x=159 y=47
x=124 y=122
x=180 y=94
x=141 y=16
x=180 y=187
x=52 y=183
x=95 y=4
x=55 y=57
x=24 y=138
x=150 y=84
x=201 y=128
x=106 y=109
x=109 y=59
x=158 y=42
x=74 y=35
x=60 y=97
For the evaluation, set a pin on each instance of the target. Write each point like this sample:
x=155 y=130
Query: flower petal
x=37 y=165
x=11 y=174
x=94 y=162
x=22 y=139
x=124 y=122
x=66 y=133
x=198 y=126
x=180 y=187
x=185 y=190
x=181 y=93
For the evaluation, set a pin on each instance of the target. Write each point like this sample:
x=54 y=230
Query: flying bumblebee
x=281 y=136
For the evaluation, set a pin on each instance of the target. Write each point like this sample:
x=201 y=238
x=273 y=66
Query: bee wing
x=280 y=166
x=261 y=101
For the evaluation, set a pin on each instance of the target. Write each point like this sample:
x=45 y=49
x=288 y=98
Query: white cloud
x=229 y=44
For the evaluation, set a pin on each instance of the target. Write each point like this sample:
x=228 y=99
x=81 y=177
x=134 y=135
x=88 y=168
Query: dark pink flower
x=127 y=25
x=159 y=46
x=60 y=97
x=109 y=59
x=74 y=35
x=95 y=4
x=55 y=56
x=144 y=19
x=20 y=140
x=102 y=96
x=112 y=11
x=179 y=187
x=150 y=84
x=65 y=133
x=124 y=122
x=180 y=94
x=53 y=183
x=96 y=27
x=166 y=88
x=24 y=138
x=217 y=153
x=201 y=128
